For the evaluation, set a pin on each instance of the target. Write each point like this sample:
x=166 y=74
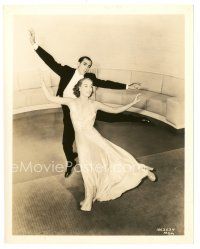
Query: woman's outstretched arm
x=110 y=109
x=57 y=100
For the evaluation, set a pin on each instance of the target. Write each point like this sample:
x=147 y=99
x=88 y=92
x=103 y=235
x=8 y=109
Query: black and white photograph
x=98 y=103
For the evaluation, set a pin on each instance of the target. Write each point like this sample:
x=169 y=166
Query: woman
x=107 y=170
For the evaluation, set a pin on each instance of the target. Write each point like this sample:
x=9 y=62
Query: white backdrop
x=153 y=43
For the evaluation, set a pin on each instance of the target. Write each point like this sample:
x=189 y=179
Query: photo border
x=117 y=9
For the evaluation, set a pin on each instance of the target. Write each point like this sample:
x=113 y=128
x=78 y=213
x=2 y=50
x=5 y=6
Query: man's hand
x=32 y=36
x=135 y=85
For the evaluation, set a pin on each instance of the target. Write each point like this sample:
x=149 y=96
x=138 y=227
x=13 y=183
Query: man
x=68 y=78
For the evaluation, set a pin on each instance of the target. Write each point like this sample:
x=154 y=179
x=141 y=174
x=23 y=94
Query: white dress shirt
x=68 y=92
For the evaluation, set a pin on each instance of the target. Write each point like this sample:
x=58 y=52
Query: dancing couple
x=107 y=169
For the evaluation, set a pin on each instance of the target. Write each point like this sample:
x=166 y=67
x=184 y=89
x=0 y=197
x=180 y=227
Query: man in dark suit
x=68 y=78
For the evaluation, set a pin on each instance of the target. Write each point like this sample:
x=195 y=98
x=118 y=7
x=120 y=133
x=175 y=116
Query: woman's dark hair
x=85 y=57
x=76 y=90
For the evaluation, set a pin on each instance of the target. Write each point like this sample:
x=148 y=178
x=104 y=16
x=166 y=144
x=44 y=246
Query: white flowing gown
x=107 y=170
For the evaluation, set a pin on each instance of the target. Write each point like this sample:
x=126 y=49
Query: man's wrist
x=35 y=46
x=127 y=86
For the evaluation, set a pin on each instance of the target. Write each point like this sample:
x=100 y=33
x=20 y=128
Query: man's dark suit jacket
x=66 y=73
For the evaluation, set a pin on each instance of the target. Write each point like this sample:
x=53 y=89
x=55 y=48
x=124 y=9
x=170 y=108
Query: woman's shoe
x=86 y=207
x=151 y=176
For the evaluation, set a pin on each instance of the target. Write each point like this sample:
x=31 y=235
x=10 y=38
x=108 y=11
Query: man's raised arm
x=46 y=57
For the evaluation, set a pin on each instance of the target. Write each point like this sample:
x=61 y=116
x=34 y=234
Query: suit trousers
x=68 y=136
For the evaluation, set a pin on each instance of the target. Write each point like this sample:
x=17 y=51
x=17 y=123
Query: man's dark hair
x=85 y=57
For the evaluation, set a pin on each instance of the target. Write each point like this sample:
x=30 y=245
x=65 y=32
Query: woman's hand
x=137 y=98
